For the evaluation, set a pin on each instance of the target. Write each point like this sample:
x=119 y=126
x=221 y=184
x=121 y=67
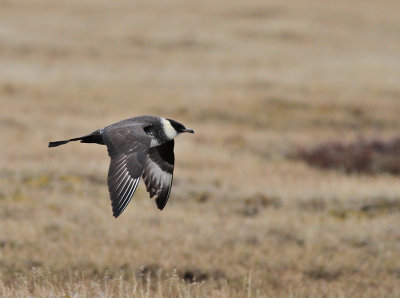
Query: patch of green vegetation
x=19 y=196
x=38 y=181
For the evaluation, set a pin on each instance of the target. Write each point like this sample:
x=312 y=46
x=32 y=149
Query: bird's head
x=179 y=128
x=173 y=128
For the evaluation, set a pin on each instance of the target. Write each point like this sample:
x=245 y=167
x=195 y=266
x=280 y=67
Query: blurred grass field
x=257 y=81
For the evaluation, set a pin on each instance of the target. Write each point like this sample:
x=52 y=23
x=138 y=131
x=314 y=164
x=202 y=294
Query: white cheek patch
x=169 y=131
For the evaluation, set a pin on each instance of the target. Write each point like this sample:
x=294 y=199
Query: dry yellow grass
x=256 y=81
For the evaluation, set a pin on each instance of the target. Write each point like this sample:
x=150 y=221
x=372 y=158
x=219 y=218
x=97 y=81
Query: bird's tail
x=94 y=137
x=58 y=143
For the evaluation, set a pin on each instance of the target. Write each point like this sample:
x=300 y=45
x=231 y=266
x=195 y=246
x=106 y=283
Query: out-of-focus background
x=289 y=186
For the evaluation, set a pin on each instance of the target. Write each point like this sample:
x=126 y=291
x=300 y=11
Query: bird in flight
x=138 y=147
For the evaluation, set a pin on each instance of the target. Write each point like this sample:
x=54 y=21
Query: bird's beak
x=189 y=130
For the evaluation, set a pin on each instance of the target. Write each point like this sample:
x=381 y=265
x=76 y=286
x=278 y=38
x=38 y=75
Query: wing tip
x=115 y=214
x=117 y=207
x=118 y=211
x=161 y=202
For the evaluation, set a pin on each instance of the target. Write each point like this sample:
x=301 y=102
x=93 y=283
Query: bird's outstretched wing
x=158 y=172
x=127 y=147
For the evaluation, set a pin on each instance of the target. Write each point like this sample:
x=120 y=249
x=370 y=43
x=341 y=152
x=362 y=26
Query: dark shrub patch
x=371 y=157
x=196 y=275
x=151 y=271
x=322 y=273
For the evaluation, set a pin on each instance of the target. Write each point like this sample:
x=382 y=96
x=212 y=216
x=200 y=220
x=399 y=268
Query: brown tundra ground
x=257 y=81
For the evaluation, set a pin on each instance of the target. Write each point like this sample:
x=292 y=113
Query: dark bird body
x=138 y=147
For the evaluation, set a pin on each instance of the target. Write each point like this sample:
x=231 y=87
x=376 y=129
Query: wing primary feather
x=126 y=180
x=127 y=199
x=123 y=181
x=118 y=168
x=125 y=196
x=129 y=196
x=114 y=180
